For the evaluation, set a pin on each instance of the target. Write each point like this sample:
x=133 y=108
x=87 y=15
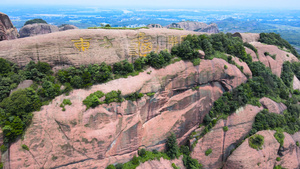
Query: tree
x=172 y=148
x=33 y=21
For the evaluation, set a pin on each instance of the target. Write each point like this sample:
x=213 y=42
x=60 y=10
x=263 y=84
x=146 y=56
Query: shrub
x=119 y=166
x=3 y=148
x=154 y=151
x=279 y=137
x=135 y=160
x=111 y=167
x=250 y=46
x=93 y=99
x=297 y=143
x=208 y=152
x=150 y=94
x=174 y=166
x=65 y=102
x=191 y=163
x=25 y=147
x=256 y=141
x=225 y=128
x=142 y=152
x=113 y=96
x=172 y=149
x=185 y=150
x=225 y=67
x=33 y=21
x=134 y=96
x=278 y=159
x=196 y=61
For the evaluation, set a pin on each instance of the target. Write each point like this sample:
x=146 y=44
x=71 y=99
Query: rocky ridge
x=195 y=26
x=7 y=30
x=37 y=29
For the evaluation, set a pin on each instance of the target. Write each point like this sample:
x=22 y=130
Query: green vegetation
x=196 y=61
x=33 y=21
x=3 y=148
x=278 y=159
x=250 y=46
x=134 y=96
x=225 y=67
x=64 y=103
x=159 y=60
x=268 y=54
x=225 y=128
x=93 y=99
x=279 y=137
x=297 y=143
x=287 y=74
x=275 y=39
x=208 y=152
x=172 y=149
x=174 y=166
x=176 y=28
x=25 y=147
x=1 y=165
x=256 y=141
x=150 y=94
x=278 y=167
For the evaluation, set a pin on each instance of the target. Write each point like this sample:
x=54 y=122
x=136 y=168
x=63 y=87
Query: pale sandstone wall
x=89 y=46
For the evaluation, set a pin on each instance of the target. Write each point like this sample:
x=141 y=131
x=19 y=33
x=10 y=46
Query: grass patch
x=64 y=103
x=25 y=147
x=225 y=128
x=208 y=152
x=256 y=141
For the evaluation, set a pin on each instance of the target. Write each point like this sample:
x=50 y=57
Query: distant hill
x=195 y=26
x=232 y=25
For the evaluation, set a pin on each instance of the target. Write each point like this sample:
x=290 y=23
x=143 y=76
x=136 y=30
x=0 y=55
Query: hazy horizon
x=193 y=4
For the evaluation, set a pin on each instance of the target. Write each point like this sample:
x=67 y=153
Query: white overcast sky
x=261 y=4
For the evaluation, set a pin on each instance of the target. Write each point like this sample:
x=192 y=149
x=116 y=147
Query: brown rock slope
x=7 y=30
x=246 y=157
x=37 y=29
x=195 y=26
x=274 y=64
x=272 y=106
x=161 y=164
x=247 y=37
x=79 y=138
x=239 y=125
x=89 y=46
x=67 y=27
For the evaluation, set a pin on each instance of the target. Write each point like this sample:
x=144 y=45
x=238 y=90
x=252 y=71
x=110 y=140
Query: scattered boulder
x=195 y=26
x=272 y=106
x=247 y=37
x=67 y=27
x=154 y=26
x=246 y=157
x=296 y=83
x=201 y=54
x=7 y=30
x=37 y=29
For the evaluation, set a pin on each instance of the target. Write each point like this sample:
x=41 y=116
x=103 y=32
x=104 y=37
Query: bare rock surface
x=90 y=46
x=272 y=106
x=296 y=83
x=246 y=157
x=239 y=125
x=23 y=85
x=247 y=37
x=7 y=30
x=195 y=26
x=37 y=29
x=162 y=164
x=67 y=27
x=275 y=65
x=108 y=134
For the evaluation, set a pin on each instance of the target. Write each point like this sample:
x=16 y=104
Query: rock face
x=296 y=83
x=107 y=134
x=275 y=65
x=154 y=26
x=239 y=125
x=90 y=46
x=247 y=157
x=195 y=26
x=67 y=27
x=247 y=37
x=272 y=106
x=7 y=30
x=37 y=29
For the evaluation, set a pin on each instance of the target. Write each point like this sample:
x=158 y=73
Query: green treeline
x=275 y=39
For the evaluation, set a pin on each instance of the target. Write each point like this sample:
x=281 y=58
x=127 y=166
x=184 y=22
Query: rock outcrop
x=195 y=26
x=296 y=83
x=67 y=27
x=272 y=106
x=161 y=164
x=90 y=46
x=7 y=30
x=37 y=29
x=154 y=26
x=247 y=37
x=107 y=134
x=274 y=64
x=239 y=125
x=246 y=157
